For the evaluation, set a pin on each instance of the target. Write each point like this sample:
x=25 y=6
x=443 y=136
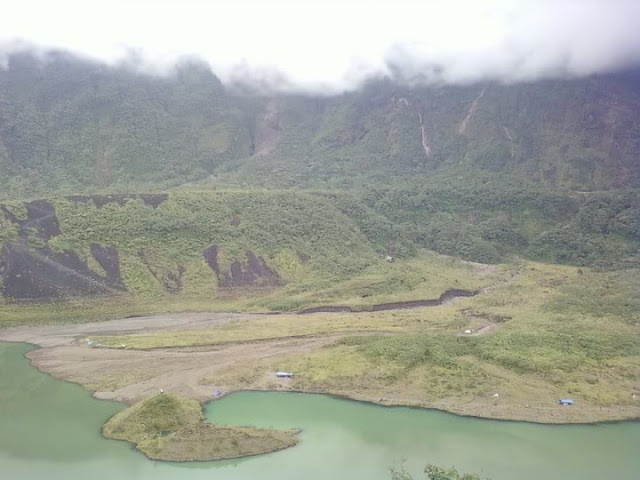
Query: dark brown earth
x=41 y=220
x=108 y=258
x=255 y=273
x=29 y=273
x=31 y=270
x=444 y=298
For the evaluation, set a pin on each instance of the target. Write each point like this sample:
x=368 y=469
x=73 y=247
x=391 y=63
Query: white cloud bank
x=334 y=45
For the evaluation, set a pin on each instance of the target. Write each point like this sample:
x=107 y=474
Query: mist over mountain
x=329 y=48
x=72 y=125
x=547 y=170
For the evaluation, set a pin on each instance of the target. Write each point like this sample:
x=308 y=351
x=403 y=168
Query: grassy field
x=425 y=276
x=538 y=332
x=166 y=427
x=543 y=342
x=543 y=334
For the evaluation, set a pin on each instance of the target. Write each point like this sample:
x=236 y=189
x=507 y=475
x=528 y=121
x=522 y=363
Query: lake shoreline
x=248 y=349
x=165 y=427
x=337 y=438
x=388 y=403
x=348 y=398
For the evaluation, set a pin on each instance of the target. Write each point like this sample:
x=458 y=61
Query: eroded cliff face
x=254 y=272
x=193 y=244
x=33 y=269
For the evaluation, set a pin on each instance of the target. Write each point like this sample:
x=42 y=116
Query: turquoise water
x=51 y=430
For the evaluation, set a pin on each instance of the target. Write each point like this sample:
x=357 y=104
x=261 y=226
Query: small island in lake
x=167 y=427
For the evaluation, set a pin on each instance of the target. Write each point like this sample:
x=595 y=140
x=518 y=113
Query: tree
x=433 y=472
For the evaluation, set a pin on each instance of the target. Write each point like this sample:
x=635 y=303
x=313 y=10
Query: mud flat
x=197 y=372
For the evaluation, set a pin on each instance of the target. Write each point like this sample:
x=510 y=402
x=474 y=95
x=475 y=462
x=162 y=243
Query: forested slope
x=68 y=125
x=115 y=181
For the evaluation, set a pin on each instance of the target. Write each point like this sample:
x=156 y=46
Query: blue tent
x=565 y=401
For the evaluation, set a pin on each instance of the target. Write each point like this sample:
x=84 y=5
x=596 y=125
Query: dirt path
x=487 y=325
x=485 y=329
x=129 y=375
x=59 y=335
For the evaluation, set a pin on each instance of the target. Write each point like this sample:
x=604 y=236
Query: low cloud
x=334 y=46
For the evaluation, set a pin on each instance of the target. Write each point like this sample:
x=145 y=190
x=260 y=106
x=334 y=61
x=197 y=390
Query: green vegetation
x=433 y=472
x=8 y=230
x=308 y=248
x=340 y=184
x=272 y=224
x=425 y=276
x=257 y=204
x=533 y=340
x=68 y=125
x=166 y=427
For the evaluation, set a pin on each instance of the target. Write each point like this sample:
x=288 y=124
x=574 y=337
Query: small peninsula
x=170 y=428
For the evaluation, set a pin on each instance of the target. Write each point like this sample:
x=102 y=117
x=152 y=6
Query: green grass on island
x=166 y=427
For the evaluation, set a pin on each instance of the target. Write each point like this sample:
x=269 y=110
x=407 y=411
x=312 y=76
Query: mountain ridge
x=72 y=126
x=178 y=184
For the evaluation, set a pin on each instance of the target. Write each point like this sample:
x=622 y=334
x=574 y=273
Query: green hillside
x=510 y=214
x=233 y=244
x=69 y=126
x=179 y=186
x=184 y=243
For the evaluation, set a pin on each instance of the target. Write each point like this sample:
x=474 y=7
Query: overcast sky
x=333 y=45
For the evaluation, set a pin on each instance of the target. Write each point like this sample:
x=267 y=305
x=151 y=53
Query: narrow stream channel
x=51 y=430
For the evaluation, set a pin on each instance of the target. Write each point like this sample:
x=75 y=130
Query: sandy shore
x=197 y=372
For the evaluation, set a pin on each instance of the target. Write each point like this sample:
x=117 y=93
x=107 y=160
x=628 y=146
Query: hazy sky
x=334 y=45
